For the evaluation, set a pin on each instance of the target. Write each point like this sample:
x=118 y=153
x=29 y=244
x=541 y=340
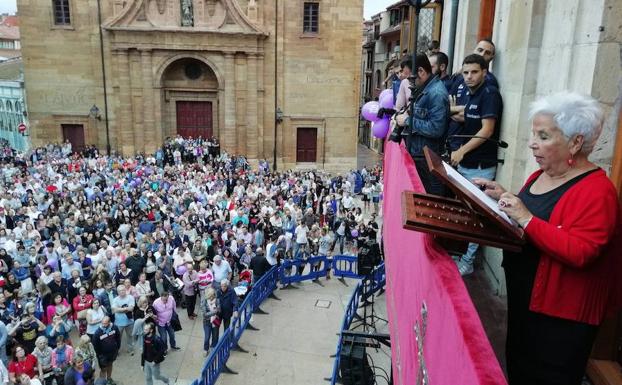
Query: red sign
x=21 y=128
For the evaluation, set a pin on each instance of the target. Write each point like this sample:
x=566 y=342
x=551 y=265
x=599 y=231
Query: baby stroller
x=245 y=279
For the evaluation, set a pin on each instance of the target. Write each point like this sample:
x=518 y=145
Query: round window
x=193 y=71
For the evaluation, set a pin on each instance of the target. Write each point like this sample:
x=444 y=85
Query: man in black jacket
x=58 y=284
x=137 y=264
x=107 y=342
x=228 y=303
x=259 y=265
x=154 y=352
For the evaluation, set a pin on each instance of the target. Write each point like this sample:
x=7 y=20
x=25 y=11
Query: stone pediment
x=221 y=16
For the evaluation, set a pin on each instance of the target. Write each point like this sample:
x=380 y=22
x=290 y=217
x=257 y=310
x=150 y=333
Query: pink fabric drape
x=456 y=349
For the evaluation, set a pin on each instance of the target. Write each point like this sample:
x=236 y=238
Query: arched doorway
x=190 y=99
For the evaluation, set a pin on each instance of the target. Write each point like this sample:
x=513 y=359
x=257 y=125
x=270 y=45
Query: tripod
x=369 y=319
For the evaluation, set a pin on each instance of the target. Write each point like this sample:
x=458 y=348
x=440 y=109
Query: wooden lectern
x=472 y=217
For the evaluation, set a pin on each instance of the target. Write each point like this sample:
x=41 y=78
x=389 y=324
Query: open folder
x=472 y=216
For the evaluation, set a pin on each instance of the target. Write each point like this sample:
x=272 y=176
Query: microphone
x=499 y=143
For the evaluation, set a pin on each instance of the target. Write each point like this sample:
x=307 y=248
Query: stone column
x=150 y=139
x=228 y=136
x=124 y=122
x=252 y=137
x=241 y=76
x=136 y=86
x=261 y=95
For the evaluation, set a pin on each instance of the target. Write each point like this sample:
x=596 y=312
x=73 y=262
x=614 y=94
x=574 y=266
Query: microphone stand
x=499 y=143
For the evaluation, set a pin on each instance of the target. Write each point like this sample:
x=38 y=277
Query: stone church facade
x=265 y=77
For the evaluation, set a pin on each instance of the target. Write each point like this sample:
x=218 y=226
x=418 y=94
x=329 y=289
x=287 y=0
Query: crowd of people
x=99 y=252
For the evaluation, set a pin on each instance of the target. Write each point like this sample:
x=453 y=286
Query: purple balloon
x=370 y=111
x=384 y=93
x=380 y=129
x=386 y=100
x=181 y=269
x=53 y=263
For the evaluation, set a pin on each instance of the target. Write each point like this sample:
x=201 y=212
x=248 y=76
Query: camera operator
x=429 y=125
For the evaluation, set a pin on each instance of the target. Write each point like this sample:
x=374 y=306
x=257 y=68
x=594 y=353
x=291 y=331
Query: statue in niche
x=187 y=19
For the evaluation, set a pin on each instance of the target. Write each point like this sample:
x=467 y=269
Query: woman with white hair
x=561 y=284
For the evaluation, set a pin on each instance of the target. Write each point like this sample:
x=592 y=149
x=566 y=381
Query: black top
x=260 y=266
x=459 y=89
x=484 y=103
x=525 y=263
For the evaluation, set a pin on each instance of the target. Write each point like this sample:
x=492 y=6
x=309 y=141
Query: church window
x=61 y=12
x=193 y=71
x=311 y=19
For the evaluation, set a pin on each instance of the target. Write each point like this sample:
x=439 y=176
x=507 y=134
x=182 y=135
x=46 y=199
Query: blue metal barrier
x=265 y=286
x=345 y=266
x=348 y=316
x=374 y=282
x=245 y=312
x=286 y=276
x=217 y=360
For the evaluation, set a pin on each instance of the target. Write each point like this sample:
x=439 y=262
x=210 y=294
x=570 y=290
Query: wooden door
x=306 y=144
x=75 y=134
x=194 y=119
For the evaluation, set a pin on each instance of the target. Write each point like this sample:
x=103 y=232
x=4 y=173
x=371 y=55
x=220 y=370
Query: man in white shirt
x=347 y=201
x=301 y=237
x=221 y=269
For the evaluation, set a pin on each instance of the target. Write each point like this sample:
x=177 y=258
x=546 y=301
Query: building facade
x=270 y=80
x=12 y=103
x=9 y=38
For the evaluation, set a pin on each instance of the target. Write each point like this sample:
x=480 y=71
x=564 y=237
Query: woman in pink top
x=205 y=277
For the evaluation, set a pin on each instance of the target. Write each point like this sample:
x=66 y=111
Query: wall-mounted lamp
x=94 y=113
x=279 y=115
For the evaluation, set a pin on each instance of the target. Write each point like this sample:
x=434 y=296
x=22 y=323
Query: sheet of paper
x=474 y=189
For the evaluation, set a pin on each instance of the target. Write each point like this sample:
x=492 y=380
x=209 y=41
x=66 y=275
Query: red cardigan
x=578 y=277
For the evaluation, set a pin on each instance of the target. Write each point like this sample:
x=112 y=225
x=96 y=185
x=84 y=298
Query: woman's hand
x=515 y=208
x=491 y=188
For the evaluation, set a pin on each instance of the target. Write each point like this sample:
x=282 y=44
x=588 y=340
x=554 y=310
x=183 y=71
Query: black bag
x=175 y=322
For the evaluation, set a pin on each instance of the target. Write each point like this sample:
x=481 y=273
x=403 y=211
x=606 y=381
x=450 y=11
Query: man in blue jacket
x=428 y=127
